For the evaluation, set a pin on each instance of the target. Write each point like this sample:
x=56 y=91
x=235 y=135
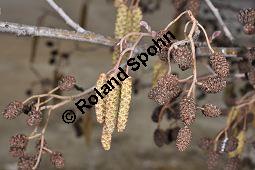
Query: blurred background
x=133 y=149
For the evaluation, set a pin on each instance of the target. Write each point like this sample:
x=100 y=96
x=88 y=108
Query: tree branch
x=67 y=19
x=216 y=13
x=27 y=30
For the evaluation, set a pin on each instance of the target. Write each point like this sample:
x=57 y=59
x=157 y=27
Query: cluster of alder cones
x=225 y=146
x=113 y=109
x=169 y=89
x=19 y=142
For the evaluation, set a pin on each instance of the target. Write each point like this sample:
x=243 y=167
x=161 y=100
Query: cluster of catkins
x=19 y=142
x=113 y=109
x=225 y=146
x=128 y=20
x=169 y=88
x=247 y=18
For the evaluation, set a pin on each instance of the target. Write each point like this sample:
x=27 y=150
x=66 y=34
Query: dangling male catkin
x=136 y=19
x=121 y=21
x=125 y=100
x=106 y=138
x=100 y=106
x=112 y=107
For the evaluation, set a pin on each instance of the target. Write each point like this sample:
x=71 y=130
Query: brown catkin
x=213 y=84
x=212 y=160
x=125 y=100
x=121 y=22
x=233 y=164
x=183 y=57
x=100 y=106
x=187 y=110
x=183 y=138
x=106 y=138
x=211 y=110
x=112 y=106
x=194 y=6
x=219 y=64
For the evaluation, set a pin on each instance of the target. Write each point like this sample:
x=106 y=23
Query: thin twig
x=67 y=19
x=216 y=13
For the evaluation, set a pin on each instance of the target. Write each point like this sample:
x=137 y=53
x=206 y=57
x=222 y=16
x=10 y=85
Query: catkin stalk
x=125 y=100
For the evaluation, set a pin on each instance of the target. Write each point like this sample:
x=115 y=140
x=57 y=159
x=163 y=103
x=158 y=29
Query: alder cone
x=213 y=84
x=155 y=114
x=194 y=6
x=211 y=110
x=66 y=83
x=167 y=88
x=57 y=160
x=163 y=53
x=34 y=119
x=246 y=16
x=251 y=77
x=179 y=4
x=183 y=57
x=183 y=138
x=100 y=106
x=13 y=109
x=232 y=144
x=159 y=137
x=187 y=110
x=205 y=143
x=26 y=162
x=233 y=164
x=219 y=64
x=19 y=140
x=249 y=29
x=213 y=160
x=16 y=151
